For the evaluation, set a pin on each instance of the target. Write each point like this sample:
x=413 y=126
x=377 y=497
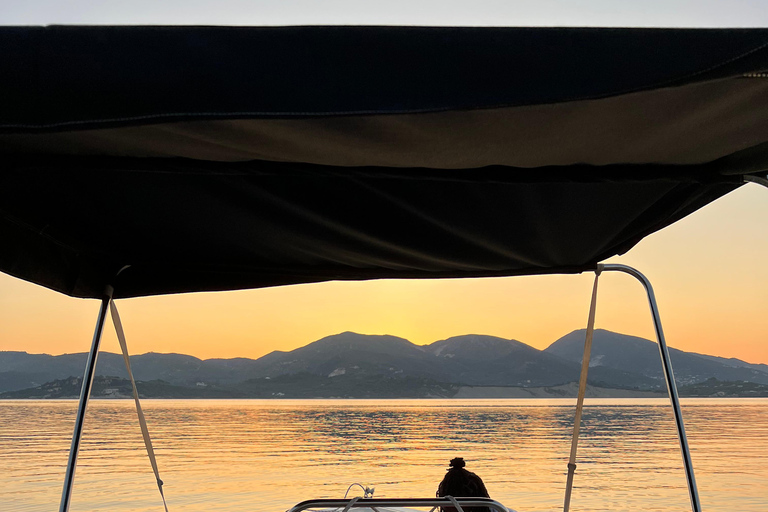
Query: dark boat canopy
x=212 y=158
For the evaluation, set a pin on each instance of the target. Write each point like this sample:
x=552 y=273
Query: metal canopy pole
x=669 y=377
x=757 y=179
x=85 y=393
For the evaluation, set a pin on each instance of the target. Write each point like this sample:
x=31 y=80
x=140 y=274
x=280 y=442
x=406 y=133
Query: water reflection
x=255 y=455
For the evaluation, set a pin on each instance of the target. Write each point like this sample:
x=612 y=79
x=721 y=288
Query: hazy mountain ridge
x=736 y=363
x=351 y=353
x=393 y=365
x=22 y=370
x=640 y=356
x=480 y=360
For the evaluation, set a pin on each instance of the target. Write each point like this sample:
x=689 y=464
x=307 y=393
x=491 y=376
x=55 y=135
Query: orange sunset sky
x=709 y=272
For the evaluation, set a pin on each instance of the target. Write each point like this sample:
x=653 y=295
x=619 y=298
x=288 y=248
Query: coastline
x=569 y=390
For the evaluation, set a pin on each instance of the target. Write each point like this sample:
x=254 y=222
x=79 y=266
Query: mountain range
x=349 y=363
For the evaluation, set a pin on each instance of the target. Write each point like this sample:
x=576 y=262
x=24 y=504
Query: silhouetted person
x=460 y=483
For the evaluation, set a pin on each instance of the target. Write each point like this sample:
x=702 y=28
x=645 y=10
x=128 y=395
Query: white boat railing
x=375 y=503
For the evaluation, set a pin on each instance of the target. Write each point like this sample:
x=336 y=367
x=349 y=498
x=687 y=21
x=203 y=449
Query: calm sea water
x=253 y=455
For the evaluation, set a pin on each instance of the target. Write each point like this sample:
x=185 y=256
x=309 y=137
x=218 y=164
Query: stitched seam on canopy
x=39 y=232
x=246 y=114
x=238 y=114
x=721 y=64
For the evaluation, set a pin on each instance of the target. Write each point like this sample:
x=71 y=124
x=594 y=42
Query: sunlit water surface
x=254 y=455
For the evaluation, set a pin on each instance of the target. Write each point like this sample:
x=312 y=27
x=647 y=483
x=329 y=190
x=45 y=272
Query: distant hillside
x=479 y=360
x=735 y=363
x=470 y=359
x=351 y=353
x=302 y=385
x=715 y=388
x=19 y=370
x=116 y=387
x=305 y=385
x=350 y=364
x=640 y=356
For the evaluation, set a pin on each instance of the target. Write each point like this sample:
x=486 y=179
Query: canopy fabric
x=211 y=158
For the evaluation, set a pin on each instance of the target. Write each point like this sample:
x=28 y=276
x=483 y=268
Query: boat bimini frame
x=108 y=303
x=85 y=392
x=669 y=378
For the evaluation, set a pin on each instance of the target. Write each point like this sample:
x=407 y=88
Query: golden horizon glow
x=708 y=271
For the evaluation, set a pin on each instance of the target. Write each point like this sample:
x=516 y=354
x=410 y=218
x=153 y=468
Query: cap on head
x=457 y=462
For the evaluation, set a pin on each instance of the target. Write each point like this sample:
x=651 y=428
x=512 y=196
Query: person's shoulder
x=474 y=477
x=477 y=485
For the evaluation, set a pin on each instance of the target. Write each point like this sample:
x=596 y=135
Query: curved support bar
x=668 y=375
x=757 y=179
x=371 y=503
